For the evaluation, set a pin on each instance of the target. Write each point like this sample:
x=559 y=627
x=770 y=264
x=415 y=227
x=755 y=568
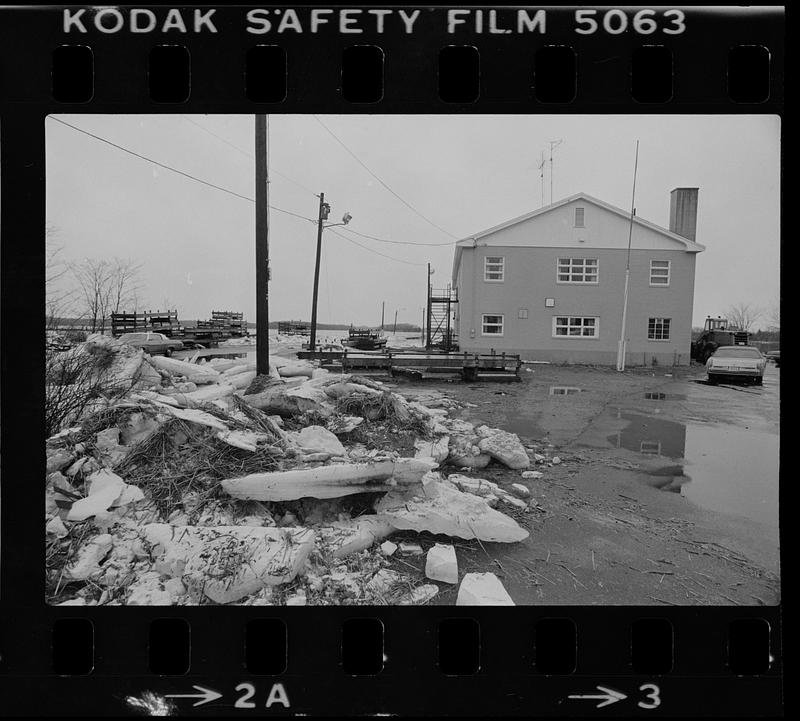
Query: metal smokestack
x=683 y=212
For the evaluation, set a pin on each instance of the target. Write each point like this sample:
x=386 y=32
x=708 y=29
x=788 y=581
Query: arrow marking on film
x=608 y=696
x=206 y=695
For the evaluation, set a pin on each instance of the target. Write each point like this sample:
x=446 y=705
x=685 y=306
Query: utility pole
x=324 y=209
x=262 y=244
x=553 y=144
x=395 y=323
x=383 y=308
x=621 y=346
x=428 y=332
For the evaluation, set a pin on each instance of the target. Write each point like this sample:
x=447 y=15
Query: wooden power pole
x=323 y=216
x=428 y=323
x=262 y=245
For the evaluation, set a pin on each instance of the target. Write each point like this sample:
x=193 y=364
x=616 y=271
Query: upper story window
x=579 y=217
x=494 y=268
x=659 y=272
x=577 y=270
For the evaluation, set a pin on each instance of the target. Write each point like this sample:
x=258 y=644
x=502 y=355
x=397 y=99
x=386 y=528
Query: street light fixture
x=324 y=212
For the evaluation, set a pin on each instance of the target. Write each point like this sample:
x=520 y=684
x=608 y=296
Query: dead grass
x=386 y=408
x=111 y=417
x=181 y=457
x=59 y=553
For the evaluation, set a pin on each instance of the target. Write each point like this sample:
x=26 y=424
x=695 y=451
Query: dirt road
x=666 y=492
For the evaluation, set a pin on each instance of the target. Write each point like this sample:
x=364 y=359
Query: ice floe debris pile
x=203 y=483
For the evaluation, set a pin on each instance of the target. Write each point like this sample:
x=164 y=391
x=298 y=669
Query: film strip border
x=437 y=660
x=607 y=59
x=366 y=660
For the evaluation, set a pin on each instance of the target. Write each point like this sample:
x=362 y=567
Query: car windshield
x=738 y=353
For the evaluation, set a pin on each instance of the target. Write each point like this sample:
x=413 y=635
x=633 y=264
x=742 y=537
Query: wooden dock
x=421 y=364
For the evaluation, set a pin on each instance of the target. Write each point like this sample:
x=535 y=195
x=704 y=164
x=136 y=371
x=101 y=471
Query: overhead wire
x=381 y=181
x=308 y=190
x=372 y=250
x=175 y=170
x=221 y=188
x=247 y=155
x=399 y=242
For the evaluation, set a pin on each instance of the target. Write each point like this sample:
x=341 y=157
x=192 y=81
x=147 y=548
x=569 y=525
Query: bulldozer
x=717 y=332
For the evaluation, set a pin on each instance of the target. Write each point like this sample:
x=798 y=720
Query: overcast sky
x=463 y=173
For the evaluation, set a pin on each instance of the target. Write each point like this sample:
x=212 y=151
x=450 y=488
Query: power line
x=221 y=188
x=246 y=154
x=150 y=160
x=308 y=190
x=402 y=200
x=175 y=170
x=371 y=250
x=398 y=242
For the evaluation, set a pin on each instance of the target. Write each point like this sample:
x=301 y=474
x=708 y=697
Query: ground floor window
x=492 y=325
x=575 y=326
x=658 y=328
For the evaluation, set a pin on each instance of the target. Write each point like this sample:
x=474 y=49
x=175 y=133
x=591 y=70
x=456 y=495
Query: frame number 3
x=653 y=698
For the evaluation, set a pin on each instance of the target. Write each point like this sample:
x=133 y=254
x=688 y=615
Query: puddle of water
x=651 y=436
x=523 y=426
x=564 y=390
x=727 y=469
x=733 y=470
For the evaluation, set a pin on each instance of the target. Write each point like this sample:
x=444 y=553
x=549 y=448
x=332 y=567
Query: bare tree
x=57 y=297
x=105 y=287
x=743 y=315
x=125 y=285
x=774 y=316
x=93 y=278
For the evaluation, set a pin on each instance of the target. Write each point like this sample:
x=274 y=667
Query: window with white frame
x=575 y=326
x=494 y=268
x=579 y=217
x=658 y=328
x=577 y=270
x=492 y=324
x=659 y=272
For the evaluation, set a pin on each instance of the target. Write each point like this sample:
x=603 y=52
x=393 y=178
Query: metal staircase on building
x=441 y=332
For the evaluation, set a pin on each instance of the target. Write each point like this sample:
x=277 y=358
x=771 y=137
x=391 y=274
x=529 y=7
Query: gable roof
x=472 y=240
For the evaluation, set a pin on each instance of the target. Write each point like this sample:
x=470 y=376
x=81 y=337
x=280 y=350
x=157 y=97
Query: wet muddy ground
x=667 y=492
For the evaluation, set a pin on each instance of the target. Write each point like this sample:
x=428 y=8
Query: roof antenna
x=553 y=144
x=541 y=177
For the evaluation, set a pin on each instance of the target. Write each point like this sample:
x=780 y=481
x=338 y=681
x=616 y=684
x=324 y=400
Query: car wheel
x=168 y=352
x=759 y=381
x=712 y=381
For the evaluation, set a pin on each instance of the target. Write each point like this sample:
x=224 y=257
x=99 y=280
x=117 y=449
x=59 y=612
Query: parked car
x=774 y=356
x=152 y=343
x=744 y=362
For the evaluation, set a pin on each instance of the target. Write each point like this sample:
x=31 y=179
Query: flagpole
x=621 y=346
